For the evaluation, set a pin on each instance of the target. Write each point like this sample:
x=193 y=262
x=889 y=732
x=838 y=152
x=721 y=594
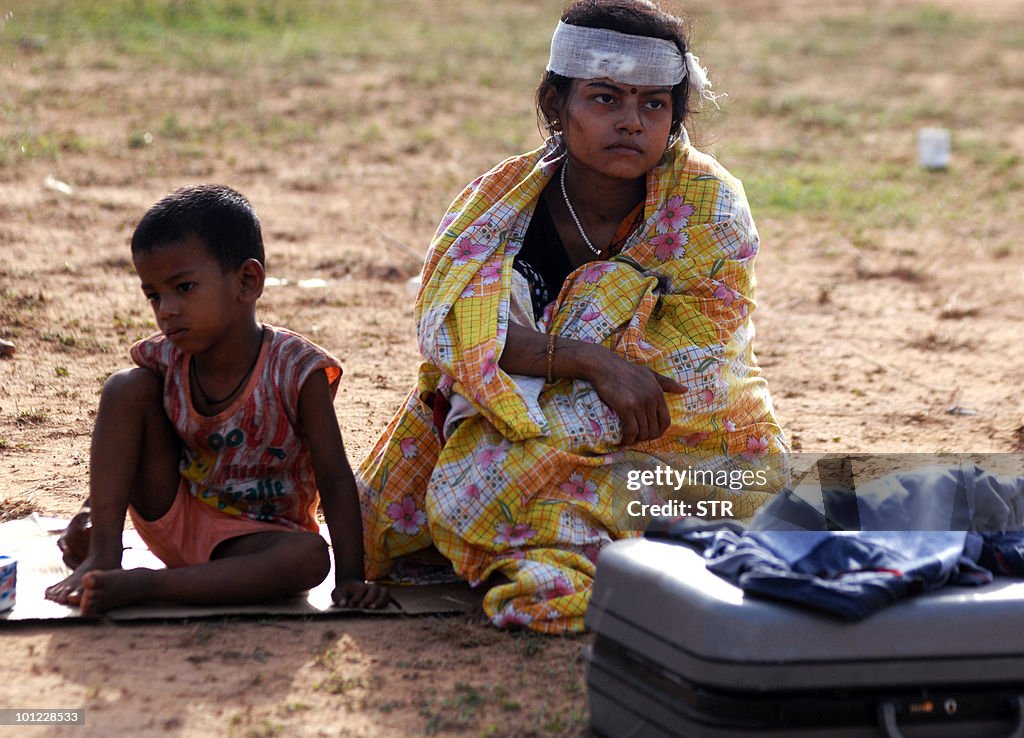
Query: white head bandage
x=591 y=53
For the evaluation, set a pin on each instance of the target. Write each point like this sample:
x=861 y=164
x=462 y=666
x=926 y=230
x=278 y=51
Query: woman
x=585 y=320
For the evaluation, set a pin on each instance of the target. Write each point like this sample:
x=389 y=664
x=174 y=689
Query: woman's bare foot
x=105 y=590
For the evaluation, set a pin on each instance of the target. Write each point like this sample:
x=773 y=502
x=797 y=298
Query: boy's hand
x=74 y=541
x=357 y=593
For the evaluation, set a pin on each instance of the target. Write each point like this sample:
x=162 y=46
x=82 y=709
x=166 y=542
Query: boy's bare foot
x=105 y=590
x=68 y=591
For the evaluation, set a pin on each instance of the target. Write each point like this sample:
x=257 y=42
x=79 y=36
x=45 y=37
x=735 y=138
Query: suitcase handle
x=887 y=718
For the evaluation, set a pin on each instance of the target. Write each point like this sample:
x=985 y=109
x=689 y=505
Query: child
x=218 y=442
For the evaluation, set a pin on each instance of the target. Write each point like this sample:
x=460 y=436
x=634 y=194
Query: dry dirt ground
x=898 y=336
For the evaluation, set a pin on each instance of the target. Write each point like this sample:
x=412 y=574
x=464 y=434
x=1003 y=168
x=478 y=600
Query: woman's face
x=614 y=129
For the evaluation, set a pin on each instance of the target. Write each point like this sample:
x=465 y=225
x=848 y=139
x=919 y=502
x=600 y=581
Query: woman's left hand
x=357 y=593
x=635 y=393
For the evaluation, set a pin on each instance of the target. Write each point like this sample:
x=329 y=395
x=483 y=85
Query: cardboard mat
x=32 y=541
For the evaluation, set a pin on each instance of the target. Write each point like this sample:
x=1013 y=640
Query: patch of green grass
x=910 y=23
x=266 y=728
x=131 y=325
x=289 y=33
x=326 y=658
x=530 y=643
x=257 y=45
x=1000 y=160
x=340 y=684
x=61 y=339
x=27 y=144
x=287 y=130
x=504 y=699
x=28 y=301
x=847 y=196
x=1013 y=36
x=467 y=699
x=32 y=417
x=814 y=112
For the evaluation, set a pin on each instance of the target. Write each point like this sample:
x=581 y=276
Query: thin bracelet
x=549 y=376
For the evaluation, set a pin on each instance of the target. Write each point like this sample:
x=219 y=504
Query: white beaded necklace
x=576 y=219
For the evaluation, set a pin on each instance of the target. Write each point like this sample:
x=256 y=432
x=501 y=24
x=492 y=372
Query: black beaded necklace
x=199 y=386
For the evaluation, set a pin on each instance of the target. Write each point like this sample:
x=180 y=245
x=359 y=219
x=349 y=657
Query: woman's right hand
x=633 y=392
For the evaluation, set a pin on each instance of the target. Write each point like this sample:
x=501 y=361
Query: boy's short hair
x=217 y=215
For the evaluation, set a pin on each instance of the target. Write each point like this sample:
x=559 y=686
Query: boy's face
x=195 y=303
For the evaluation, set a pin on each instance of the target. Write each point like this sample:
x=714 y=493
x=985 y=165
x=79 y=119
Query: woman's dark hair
x=218 y=216
x=635 y=17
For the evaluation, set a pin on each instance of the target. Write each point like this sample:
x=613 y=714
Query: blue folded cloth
x=787 y=552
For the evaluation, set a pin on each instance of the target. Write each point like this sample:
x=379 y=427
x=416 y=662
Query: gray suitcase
x=678 y=651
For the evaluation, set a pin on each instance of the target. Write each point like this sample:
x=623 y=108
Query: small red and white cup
x=8 y=581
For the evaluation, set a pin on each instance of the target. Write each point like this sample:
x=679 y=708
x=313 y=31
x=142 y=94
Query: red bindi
x=632 y=90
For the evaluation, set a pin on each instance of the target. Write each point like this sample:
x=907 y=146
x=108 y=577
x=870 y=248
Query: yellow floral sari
x=531 y=481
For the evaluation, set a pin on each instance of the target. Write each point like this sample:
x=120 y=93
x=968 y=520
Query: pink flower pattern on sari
x=408 y=446
x=669 y=245
x=579 y=488
x=446 y=221
x=561 y=587
x=694 y=439
x=488 y=455
x=510 y=617
x=597 y=269
x=490 y=272
x=725 y=294
x=490 y=366
x=756 y=448
x=464 y=250
x=514 y=534
x=673 y=216
x=408 y=519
